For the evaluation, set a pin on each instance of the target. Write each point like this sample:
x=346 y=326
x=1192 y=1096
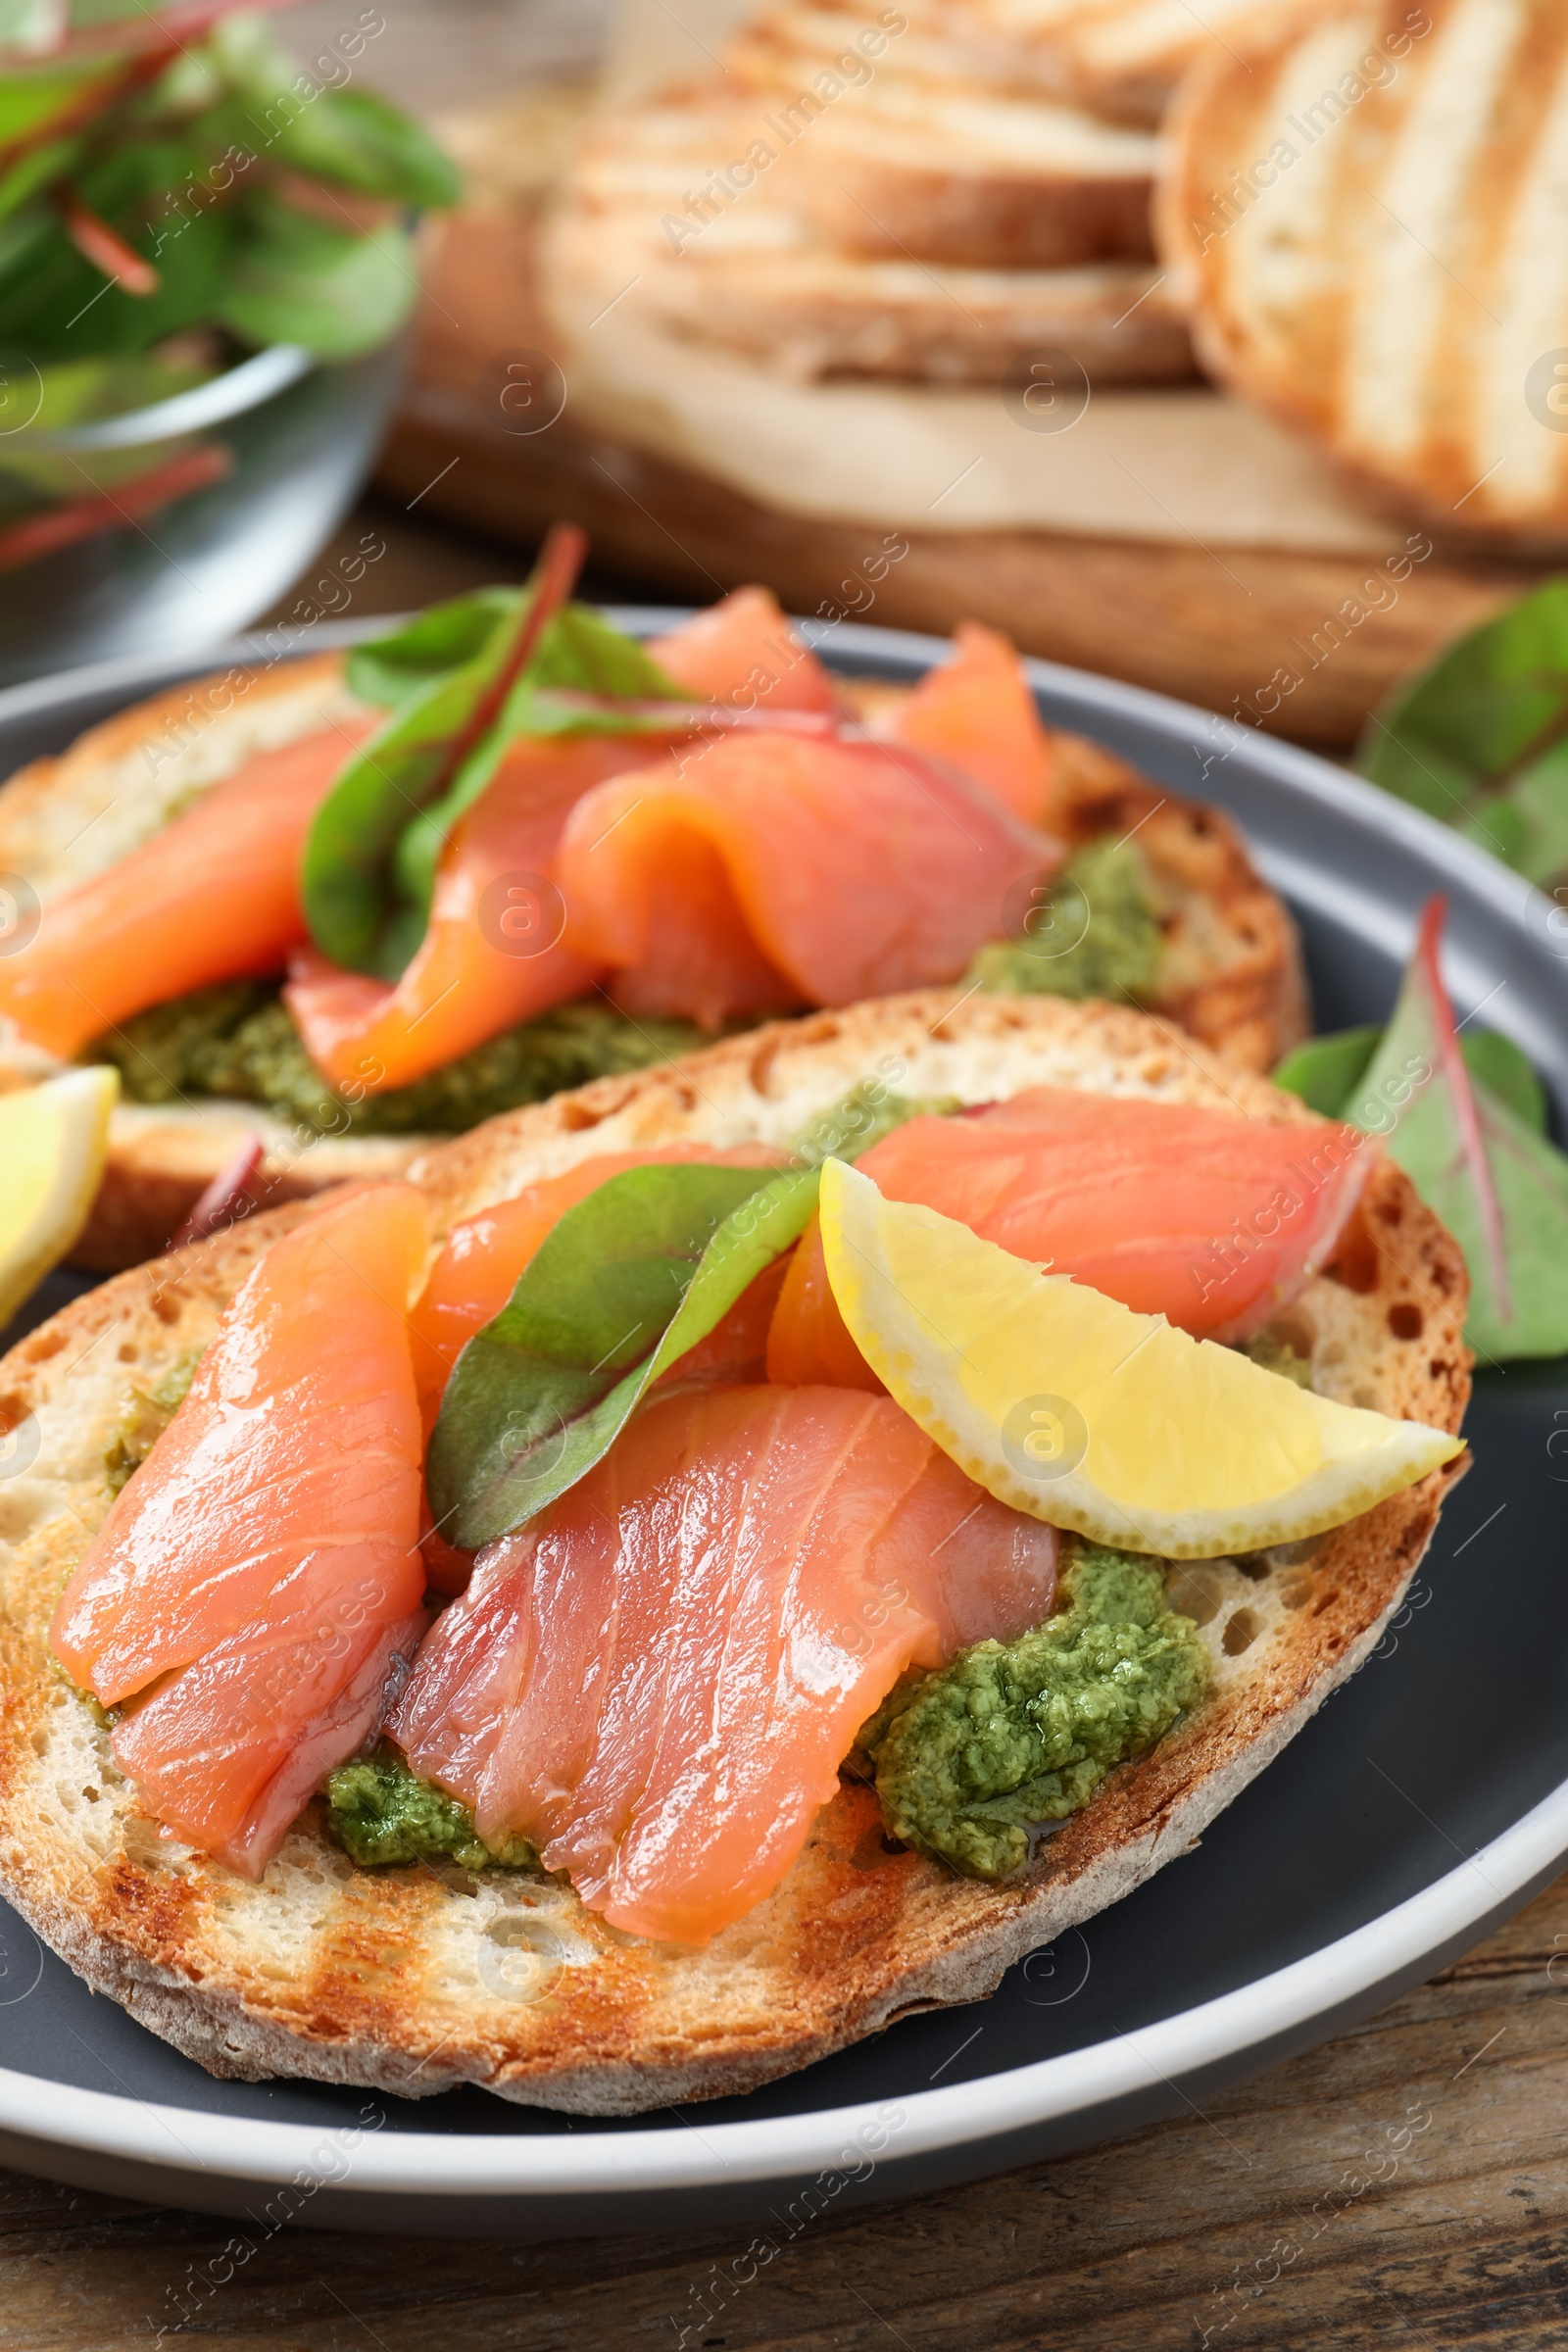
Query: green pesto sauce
x=379 y=1811
x=238 y=1040
x=861 y=1118
x=143 y=1418
x=1095 y=934
x=1278 y=1355
x=1013 y=1733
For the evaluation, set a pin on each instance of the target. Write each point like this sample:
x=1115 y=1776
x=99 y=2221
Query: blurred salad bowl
x=207 y=261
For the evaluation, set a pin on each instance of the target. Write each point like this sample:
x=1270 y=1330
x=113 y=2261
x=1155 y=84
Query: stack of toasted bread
x=921 y=191
x=1353 y=214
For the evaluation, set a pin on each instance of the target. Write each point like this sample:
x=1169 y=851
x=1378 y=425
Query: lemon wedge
x=53 y=1140
x=1068 y=1406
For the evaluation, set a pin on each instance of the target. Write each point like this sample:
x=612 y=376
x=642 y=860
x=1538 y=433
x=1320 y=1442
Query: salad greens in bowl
x=207 y=257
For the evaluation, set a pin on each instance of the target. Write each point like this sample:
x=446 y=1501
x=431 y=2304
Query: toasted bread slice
x=1233 y=964
x=1118 y=58
x=647 y=218
x=913 y=155
x=1369 y=221
x=400 y=1978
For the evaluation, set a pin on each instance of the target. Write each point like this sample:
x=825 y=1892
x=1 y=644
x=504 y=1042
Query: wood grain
x=1209 y=627
x=1462 y=2241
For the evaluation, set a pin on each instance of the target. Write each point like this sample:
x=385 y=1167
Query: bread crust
x=408 y=1979
x=1234 y=967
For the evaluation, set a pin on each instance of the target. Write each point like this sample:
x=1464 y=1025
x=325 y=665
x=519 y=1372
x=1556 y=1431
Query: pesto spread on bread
x=238 y=1040
x=379 y=1812
x=1095 y=932
x=1012 y=1735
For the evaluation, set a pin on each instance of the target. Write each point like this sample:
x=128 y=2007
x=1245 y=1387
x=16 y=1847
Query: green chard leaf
x=1505 y=1070
x=347 y=888
x=359 y=901
x=55 y=303
x=463 y=682
x=1327 y=1071
x=357 y=139
x=1479 y=739
x=1487 y=1169
x=43 y=98
x=296 y=278
x=392 y=669
x=580 y=651
x=617 y=1292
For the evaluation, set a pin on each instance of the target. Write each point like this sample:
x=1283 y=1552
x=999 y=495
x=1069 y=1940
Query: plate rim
x=587 y=2164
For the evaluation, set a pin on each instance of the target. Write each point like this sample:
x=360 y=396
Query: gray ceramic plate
x=1427 y=1801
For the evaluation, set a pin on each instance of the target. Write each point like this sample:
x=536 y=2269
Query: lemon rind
x=1331 y=1496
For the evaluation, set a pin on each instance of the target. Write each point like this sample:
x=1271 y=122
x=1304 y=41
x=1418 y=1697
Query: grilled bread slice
x=407 y=1978
x=918 y=151
x=663 y=214
x=1118 y=58
x=1368 y=219
x=1231 y=971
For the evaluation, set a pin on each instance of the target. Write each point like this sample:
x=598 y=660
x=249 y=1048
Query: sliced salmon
x=808 y=1342
x=474 y=1275
x=762 y=870
x=1213 y=1220
x=742 y=652
x=213 y=896
x=250 y=1588
x=977 y=710
x=658 y=1680
x=492 y=953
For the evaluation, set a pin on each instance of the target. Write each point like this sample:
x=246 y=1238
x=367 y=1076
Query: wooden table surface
x=1258 y=2222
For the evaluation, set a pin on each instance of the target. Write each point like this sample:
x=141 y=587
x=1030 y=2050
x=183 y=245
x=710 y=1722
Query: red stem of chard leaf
x=78 y=519
x=78 y=114
x=105 y=247
x=221 y=1202
x=555 y=576
x=1428 y=958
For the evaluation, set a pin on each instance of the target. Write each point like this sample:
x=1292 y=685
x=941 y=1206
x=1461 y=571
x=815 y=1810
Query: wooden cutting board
x=1210 y=628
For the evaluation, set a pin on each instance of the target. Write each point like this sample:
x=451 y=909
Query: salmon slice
x=1213 y=1221
x=658 y=1680
x=977 y=710
x=781 y=870
x=808 y=1342
x=253 y=1584
x=213 y=896
x=474 y=1275
x=492 y=953
x=742 y=650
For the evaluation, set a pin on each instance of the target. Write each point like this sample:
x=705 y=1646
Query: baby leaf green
x=391 y=669
x=1479 y=739
x=377 y=840
x=627 y=1281
x=1465 y=1116
x=1327 y=1071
